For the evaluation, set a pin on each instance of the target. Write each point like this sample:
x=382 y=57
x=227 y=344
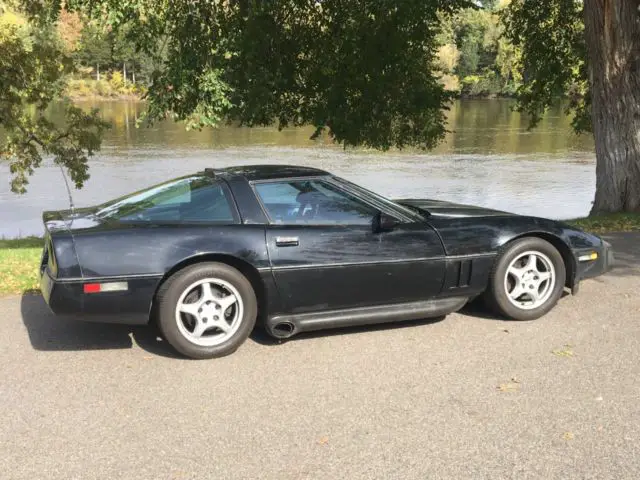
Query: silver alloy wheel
x=530 y=280
x=209 y=312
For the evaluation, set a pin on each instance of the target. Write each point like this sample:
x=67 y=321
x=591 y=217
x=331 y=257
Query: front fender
x=474 y=236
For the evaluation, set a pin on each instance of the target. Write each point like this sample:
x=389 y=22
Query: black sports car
x=298 y=249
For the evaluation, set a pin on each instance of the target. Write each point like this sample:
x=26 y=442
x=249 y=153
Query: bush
x=450 y=83
x=117 y=81
x=79 y=88
x=104 y=88
x=487 y=84
x=111 y=85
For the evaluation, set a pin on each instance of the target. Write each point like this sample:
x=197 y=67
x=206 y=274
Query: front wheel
x=206 y=310
x=527 y=280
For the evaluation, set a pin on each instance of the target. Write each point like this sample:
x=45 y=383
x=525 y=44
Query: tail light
x=45 y=257
x=48 y=257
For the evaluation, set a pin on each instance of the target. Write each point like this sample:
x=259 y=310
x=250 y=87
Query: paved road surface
x=464 y=397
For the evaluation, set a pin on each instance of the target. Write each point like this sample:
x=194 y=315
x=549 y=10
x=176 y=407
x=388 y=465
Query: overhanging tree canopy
x=33 y=64
x=363 y=70
x=589 y=50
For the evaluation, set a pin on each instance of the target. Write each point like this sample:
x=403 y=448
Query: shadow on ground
x=58 y=333
x=49 y=332
x=626 y=250
x=478 y=309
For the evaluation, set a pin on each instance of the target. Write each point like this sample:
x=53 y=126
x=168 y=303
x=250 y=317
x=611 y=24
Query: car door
x=325 y=255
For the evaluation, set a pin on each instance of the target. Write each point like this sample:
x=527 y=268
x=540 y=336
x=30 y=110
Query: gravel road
x=467 y=396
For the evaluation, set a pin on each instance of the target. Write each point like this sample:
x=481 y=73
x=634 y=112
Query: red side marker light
x=91 y=287
x=105 y=287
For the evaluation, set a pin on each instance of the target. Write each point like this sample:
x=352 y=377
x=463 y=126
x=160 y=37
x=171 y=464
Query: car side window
x=193 y=199
x=312 y=202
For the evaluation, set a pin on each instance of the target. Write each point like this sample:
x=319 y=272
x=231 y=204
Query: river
x=489 y=158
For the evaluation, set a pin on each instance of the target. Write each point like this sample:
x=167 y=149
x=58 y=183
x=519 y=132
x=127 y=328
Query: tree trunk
x=98 y=70
x=612 y=32
x=124 y=73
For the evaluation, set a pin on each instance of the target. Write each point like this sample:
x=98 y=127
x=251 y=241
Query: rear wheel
x=527 y=280
x=206 y=310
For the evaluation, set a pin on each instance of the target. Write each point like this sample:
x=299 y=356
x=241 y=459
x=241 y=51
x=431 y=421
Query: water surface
x=489 y=158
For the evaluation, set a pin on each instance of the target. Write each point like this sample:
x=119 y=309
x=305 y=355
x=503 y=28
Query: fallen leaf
x=323 y=440
x=509 y=386
x=565 y=351
x=568 y=436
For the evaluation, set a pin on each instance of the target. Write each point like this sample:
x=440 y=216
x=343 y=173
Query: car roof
x=268 y=172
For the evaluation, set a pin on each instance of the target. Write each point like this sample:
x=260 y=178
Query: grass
x=19 y=261
x=613 y=222
x=21 y=243
x=20 y=258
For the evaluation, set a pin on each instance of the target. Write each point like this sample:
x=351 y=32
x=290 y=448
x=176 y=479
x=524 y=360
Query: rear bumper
x=58 y=296
x=129 y=307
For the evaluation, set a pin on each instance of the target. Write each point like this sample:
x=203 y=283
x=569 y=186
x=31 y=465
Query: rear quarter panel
x=145 y=254
x=156 y=249
x=62 y=255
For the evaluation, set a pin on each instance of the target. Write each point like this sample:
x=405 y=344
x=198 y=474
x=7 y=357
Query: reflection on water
x=488 y=158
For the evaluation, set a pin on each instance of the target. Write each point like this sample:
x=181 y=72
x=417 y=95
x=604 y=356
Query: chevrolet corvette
x=209 y=255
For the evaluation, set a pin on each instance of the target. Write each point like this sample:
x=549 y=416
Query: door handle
x=287 y=241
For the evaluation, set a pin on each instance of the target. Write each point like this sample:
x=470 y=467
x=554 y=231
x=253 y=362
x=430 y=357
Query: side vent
x=467 y=274
x=464 y=273
x=459 y=274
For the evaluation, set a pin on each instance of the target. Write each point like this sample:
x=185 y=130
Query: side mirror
x=383 y=222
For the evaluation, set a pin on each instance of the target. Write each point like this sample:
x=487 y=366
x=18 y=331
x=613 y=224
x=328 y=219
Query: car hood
x=442 y=208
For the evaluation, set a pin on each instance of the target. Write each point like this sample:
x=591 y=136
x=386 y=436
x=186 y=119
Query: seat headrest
x=309 y=197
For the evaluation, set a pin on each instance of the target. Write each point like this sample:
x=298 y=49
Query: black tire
x=169 y=295
x=497 y=298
